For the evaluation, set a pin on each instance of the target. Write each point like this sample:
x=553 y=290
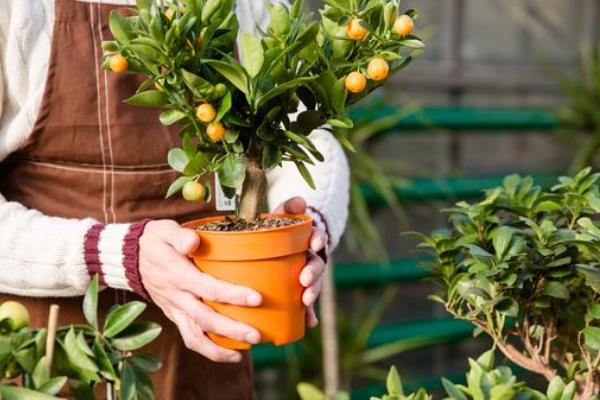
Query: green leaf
x=103 y=361
x=592 y=337
x=486 y=360
x=569 y=392
x=121 y=317
x=178 y=185
x=198 y=85
x=90 y=303
x=280 y=89
x=224 y=107
x=501 y=238
x=148 y=98
x=453 y=391
x=136 y=336
x=232 y=172
x=17 y=393
x=593 y=312
x=119 y=26
x=128 y=391
x=177 y=159
x=234 y=73
x=83 y=346
x=147 y=361
x=26 y=359
x=41 y=373
x=76 y=355
x=305 y=173
x=413 y=42
x=342 y=122
x=338 y=95
x=81 y=391
x=393 y=383
x=169 y=117
x=252 y=54
x=557 y=290
x=306 y=391
x=555 y=388
x=53 y=385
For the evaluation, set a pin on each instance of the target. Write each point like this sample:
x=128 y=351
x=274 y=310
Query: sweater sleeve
x=46 y=256
x=328 y=203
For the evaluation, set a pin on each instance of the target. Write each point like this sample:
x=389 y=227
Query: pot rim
x=306 y=219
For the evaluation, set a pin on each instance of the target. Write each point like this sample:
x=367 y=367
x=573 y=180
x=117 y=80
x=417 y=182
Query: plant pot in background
x=268 y=261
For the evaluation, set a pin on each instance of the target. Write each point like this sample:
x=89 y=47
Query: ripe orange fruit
x=215 y=131
x=193 y=191
x=16 y=313
x=404 y=25
x=206 y=113
x=378 y=69
x=356 y=82
x=118 y=64
x=355 y=31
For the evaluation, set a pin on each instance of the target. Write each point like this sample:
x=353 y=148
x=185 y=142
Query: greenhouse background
x=480 y=102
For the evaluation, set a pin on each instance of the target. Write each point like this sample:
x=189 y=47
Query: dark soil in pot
x=231 y=224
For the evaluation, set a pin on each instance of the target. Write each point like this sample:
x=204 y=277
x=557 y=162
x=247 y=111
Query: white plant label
x=221 y=201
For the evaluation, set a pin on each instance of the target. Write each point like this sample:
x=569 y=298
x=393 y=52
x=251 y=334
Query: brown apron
x=91 y=155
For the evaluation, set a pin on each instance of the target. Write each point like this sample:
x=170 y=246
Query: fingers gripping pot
x=268 y=261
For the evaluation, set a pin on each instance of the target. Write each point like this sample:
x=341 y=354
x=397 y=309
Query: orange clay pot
x=269 y=261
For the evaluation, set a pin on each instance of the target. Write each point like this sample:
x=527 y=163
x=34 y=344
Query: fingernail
x=253 y=300
x=317 y=244
x=307 y=278
x=252 y=337
x=237 y=357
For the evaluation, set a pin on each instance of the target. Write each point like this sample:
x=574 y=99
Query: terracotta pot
x=269 y=261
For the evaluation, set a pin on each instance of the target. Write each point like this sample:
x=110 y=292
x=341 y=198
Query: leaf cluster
x=525 y=262
x=85 y=356
x=297 y=65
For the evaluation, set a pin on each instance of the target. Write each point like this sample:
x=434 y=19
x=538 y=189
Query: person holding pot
x=82 y=183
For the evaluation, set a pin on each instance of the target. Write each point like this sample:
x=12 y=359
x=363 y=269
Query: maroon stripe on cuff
x=324 y=220
x=91 y=253
x=131 y=258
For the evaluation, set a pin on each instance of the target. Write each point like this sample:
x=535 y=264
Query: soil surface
x=238 y=225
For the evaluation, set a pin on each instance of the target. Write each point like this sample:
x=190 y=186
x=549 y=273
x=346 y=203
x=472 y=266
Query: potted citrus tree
x=234 y=105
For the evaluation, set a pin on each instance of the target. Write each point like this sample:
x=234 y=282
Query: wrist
x=111 y=251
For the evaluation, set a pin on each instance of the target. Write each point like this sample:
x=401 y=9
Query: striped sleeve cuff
x=320 y=222
x=111 y=251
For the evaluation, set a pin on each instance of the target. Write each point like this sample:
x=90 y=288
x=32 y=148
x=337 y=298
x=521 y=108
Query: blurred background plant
x=580 y=116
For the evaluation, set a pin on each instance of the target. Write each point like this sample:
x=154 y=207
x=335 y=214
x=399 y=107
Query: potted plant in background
x=234 y=118
x=523 y=266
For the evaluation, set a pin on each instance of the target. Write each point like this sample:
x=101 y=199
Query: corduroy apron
x=91 y=155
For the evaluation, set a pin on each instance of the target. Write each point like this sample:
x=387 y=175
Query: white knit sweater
x=41 y=255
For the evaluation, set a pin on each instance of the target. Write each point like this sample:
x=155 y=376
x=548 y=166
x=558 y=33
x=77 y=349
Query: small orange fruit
x=206 y=113
x=356 y=82
x=355 y=30
x=193 y=191
x=378 y=69
x=118 y=64
x=404 y=25
x=215 y=131
x=169 y=13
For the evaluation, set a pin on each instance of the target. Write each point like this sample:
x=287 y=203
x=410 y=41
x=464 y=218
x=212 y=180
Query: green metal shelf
x=449 y=188
x=464 y=119
x=437 y=330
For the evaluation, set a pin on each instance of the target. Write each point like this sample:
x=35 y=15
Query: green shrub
x=523 y=265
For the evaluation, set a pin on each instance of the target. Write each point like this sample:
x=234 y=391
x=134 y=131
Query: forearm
x=45 y=256
x=328 y=203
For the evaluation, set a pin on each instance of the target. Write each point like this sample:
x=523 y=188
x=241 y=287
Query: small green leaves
x=252 y=54
x=170 y=117
x=232 y=172
x=90 y=303
x=592 y=337
x=234 y=73
x=148 y=98
x=177 y=159
x=120 y=27
x=120 y=317
x=393 y=383
x=137 y=336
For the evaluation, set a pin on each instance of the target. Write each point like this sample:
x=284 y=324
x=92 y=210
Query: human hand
x=310 y=277
x=176 y=286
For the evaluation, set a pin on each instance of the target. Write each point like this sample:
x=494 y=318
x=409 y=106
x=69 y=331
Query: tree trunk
x=253 y=191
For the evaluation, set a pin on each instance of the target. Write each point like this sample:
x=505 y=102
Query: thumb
x=295 y=205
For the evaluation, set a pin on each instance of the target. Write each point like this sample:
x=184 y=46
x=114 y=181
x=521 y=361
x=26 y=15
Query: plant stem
x=253 y=191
